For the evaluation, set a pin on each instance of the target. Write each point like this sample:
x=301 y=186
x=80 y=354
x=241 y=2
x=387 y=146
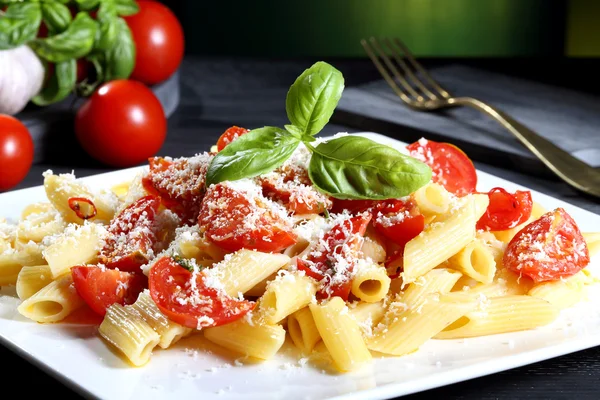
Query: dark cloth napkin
x=569 y=119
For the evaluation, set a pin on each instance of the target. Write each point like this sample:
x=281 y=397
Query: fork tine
x=407 y=71
x=420 y=69
x=394 y=70
x=384 y=73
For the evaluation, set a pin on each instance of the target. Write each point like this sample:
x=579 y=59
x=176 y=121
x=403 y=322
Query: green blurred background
x=434 y=28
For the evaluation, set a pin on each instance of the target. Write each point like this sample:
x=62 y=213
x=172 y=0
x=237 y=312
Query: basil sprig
x=105 y=41
x=348 y=167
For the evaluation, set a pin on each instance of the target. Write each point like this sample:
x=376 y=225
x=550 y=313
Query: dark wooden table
x=218 y=93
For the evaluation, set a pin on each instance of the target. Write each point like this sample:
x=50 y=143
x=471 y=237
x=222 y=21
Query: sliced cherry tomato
x=180 y=183
x=100 y=287
x=233 y=220
x=131 y=235
x=398 y=221
x=547 y=249
x=186 y=299
x=506 y=210
x=450 y=167
x=353 y=206
x=339 y=246
x=230 y=135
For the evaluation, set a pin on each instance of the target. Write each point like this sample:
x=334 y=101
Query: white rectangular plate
x=77 y=355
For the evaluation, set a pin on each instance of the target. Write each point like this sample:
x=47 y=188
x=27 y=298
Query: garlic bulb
x=21 y=77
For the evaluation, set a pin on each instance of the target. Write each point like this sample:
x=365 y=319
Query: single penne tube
x=562 y=293
x=31 y=279
x=441 y=240
x=432 y=199
x=475 y=260
x=592 y=240
x=501 y=315
x=37 y=208
x=242 y=270
x=371 y=282
x=52 y=303
x=250 y=338
x=303 y=331
x=260 y=288
x=402 y=332
x=12 y=261
x=79 y=245
x=129 y=333
x=169 y=331
x=341 y=334
x=438 y=280
x=61 y=188
x=289 y=292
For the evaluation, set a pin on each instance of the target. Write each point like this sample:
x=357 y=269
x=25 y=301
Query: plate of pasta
x=278 y=265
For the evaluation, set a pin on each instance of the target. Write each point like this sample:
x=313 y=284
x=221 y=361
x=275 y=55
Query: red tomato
x=131 y=235
x=506 y=210
x=180 y=183
x=16 y=151
x=185 y=298
x=547 y=249
x=353 y=206
x=235 y=220
x=229 y=136
x=121 y=124
x=100 y=288
x=159 y=42
x=450 y=167
x=342 y=241
x=398 y=221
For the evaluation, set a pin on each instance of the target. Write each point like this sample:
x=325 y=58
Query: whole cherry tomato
x=121 y=124
x=159 y=42
x=16 y=151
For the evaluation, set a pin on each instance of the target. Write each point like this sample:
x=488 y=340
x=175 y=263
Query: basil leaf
x=87 y=5
x=75 y=42
x=354 y=167
x=313 y=97
x=294 y=130
x=19 y=24
x=257 y=152
x=120 y=59
x=60 y=85
x=106 y=35
x=57 y=16
x=126 y=7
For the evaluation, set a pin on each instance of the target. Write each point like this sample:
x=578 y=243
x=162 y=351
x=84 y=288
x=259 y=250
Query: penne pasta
x=32 y=279
x=501 y=315
x=476 y=260
x=52 y=303
x=250 y=338
x=12 y=261
x=439 y=280
x=563 y=293
x=123 y=328
x=371 y=282
x=303 y=331
x=433 y=199
x=285 y=295
x=341 y=334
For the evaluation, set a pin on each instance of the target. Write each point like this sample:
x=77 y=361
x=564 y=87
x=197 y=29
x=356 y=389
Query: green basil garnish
x=348 y=167
x=56 y=16
x=257 y=152
x=354 y=167
x=60 y=85
x=311 y=100
x=75 y=42
x=19 y=24
x=87 y=4
x=126 y=7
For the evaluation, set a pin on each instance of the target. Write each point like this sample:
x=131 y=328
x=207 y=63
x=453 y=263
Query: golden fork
x=420 y=91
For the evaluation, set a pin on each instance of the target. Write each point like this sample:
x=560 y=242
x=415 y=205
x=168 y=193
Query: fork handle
x=559 y=161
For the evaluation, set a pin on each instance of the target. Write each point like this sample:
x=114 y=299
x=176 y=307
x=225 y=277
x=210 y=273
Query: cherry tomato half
x=159 y=42
x=506 y=210
x=121 y=124
x=16 y=152
x=398 y=221
x=229 y=136
x=548 y=249
x=450 y=167
x=187 y=300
